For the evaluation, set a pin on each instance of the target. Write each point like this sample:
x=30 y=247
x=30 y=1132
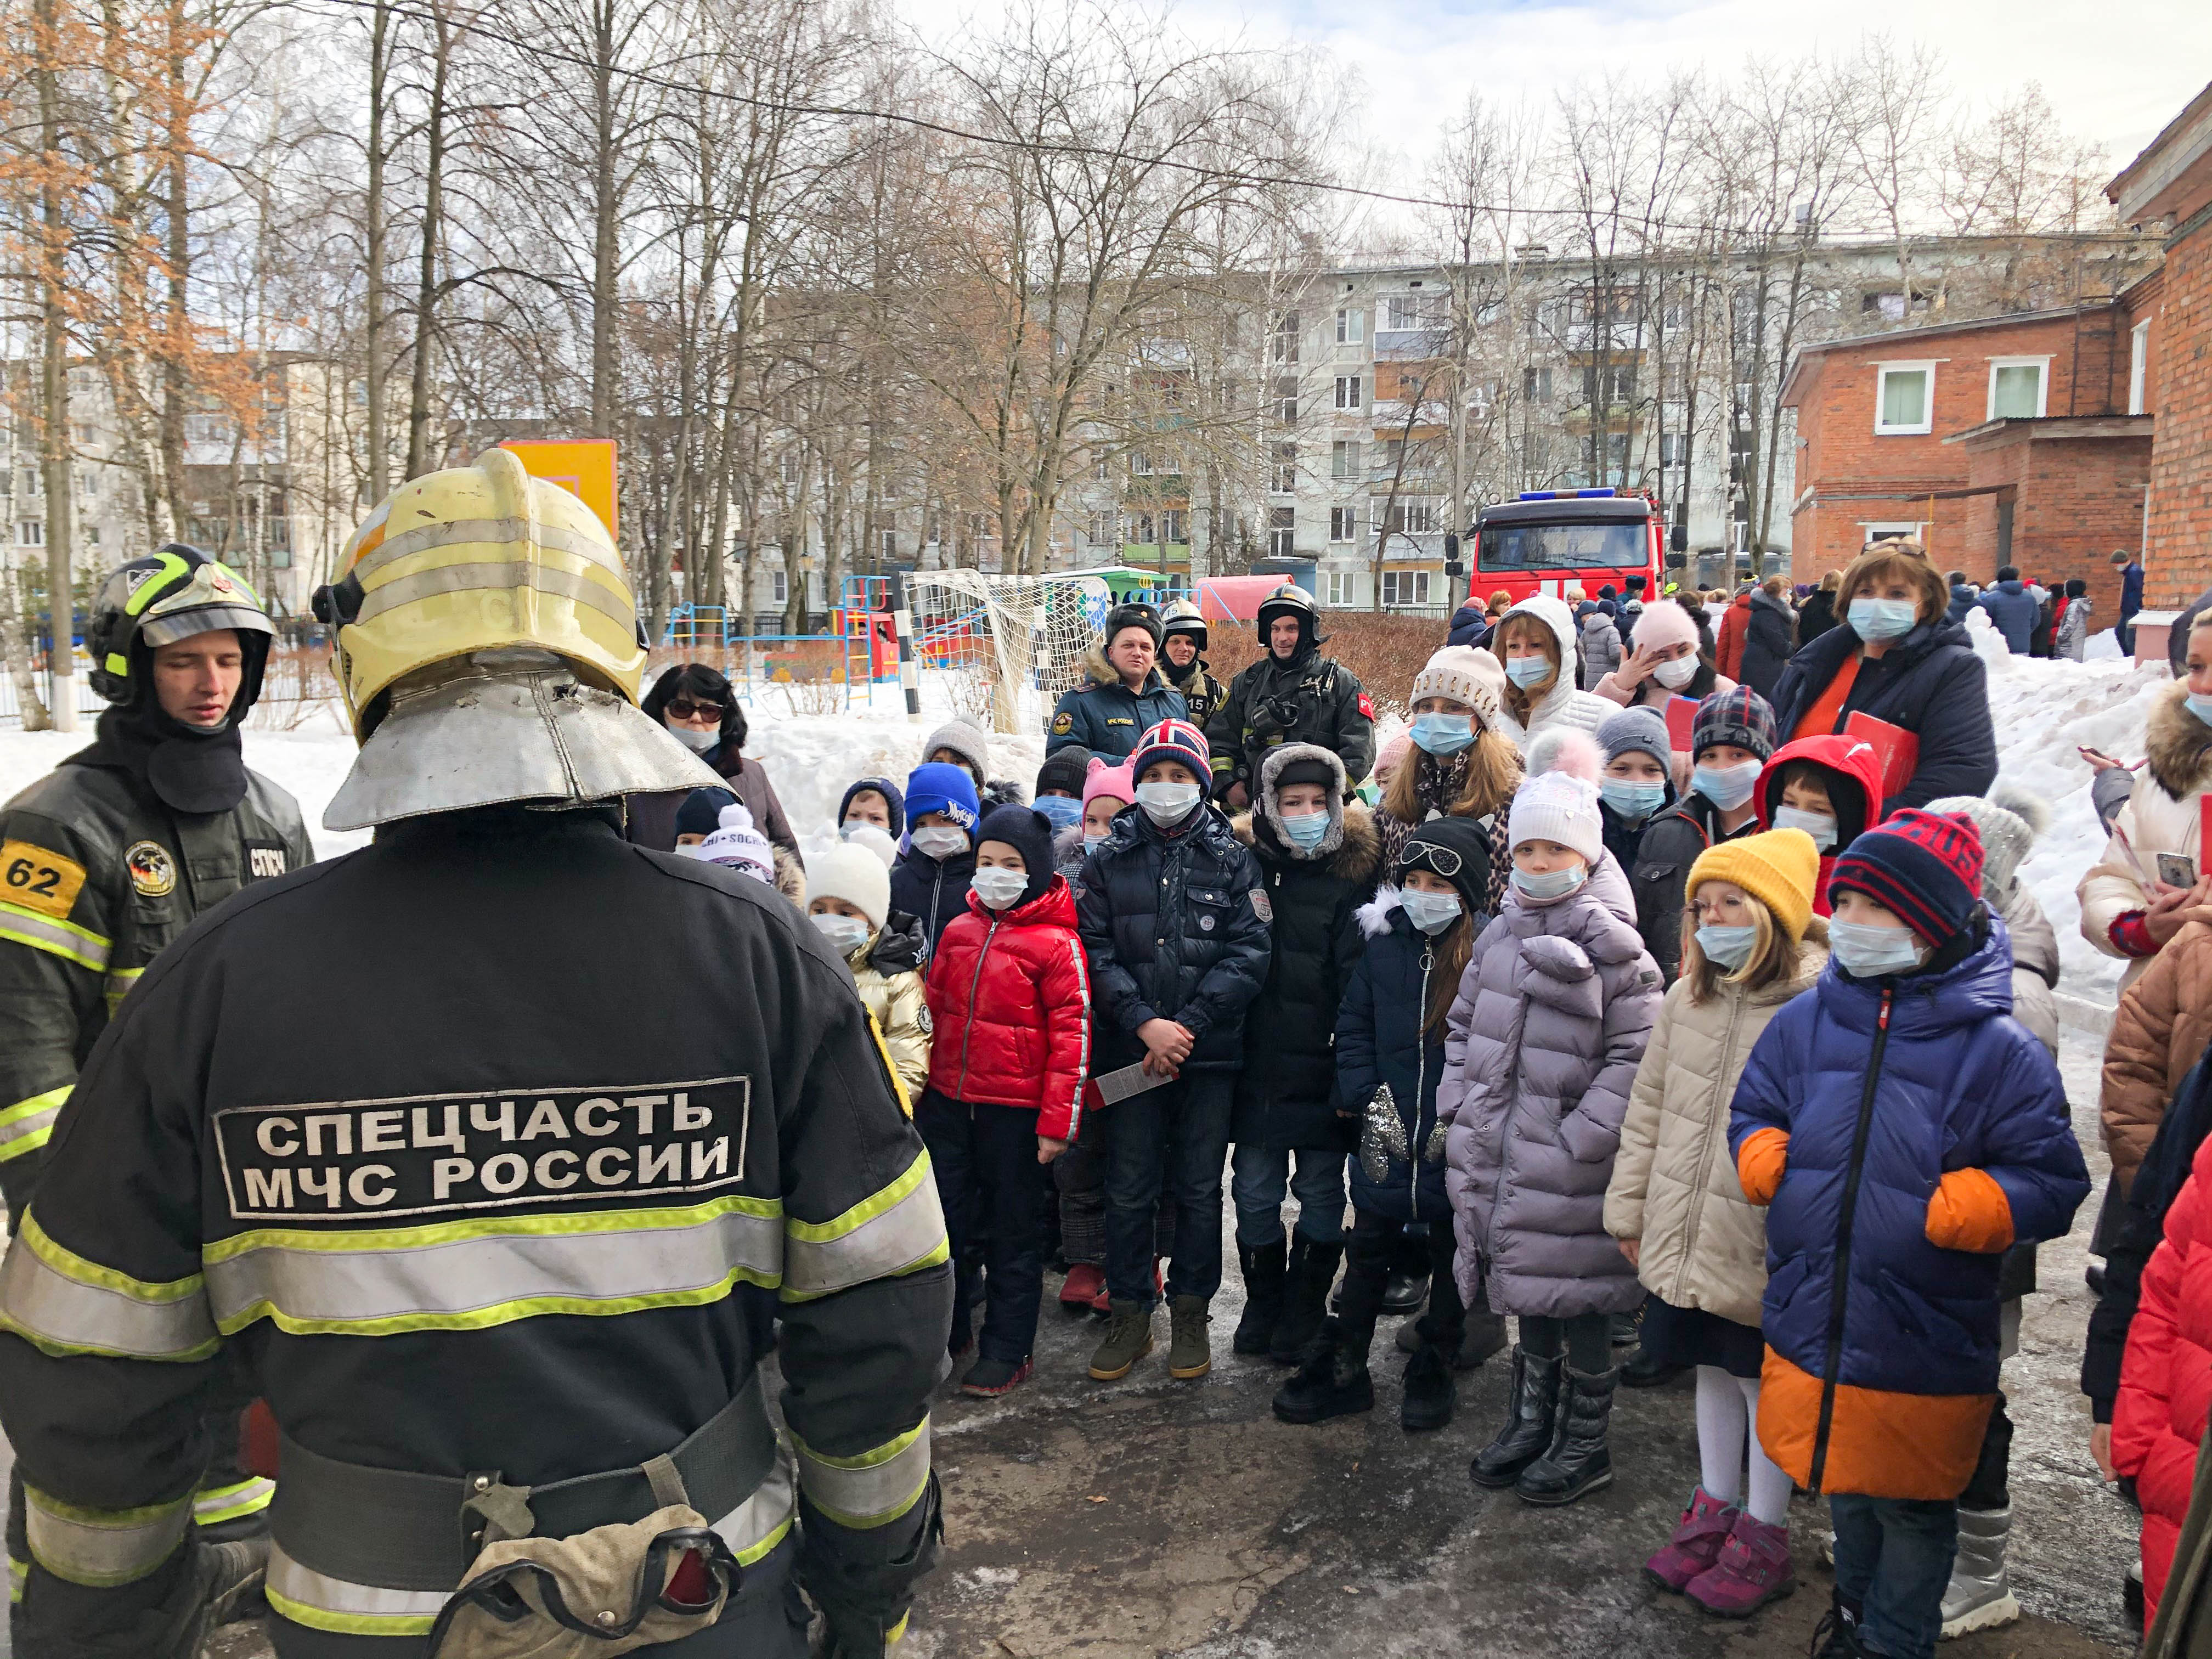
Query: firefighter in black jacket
x=498 y=1226
x=1182 y=659
x=1292 y=695
x=111 y=855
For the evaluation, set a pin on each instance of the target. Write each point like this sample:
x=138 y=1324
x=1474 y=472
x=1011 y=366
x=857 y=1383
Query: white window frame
x=1405 y=588
x=1343 y=524
x=2042 y=366
x=2139 y=367
x=1348 y=389
x=778 y=588
x=1874 y=529
x=1340 y=588
x=1913 y=365
x=30 y=532
x=1351 y=325
x=1282 y=532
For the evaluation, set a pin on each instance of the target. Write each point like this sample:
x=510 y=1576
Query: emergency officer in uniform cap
x=499 y=1226
x=111 y=855
x=1292 y=694
x=1123 y=693
x=1182 y=659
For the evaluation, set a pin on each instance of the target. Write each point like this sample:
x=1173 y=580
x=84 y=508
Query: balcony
x=1411 y=344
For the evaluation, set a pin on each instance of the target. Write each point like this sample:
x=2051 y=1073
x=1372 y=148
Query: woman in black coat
x=1286 y=1093
x=1925 y=678
x=693 y=686
x=1769 y=639
x=1818 y=614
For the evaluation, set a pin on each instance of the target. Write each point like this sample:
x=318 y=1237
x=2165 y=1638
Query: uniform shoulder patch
x=1367 y=705
x=153 y=872
x=1262 y=906
x=38 y=878
x=1062 y=724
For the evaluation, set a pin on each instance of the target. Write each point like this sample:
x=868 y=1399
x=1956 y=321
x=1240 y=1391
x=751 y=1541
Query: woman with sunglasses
x=700 y=709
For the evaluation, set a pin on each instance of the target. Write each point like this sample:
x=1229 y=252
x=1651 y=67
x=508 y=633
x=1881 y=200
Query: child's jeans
x=985 y=1160
x=1259 y=1176
x=1080 y=1176
x=1894 y=1559
x=1181 y=1127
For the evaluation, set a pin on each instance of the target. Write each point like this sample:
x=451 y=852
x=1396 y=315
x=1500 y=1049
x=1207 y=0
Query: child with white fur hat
x=850 y=902
x=1540 y=1050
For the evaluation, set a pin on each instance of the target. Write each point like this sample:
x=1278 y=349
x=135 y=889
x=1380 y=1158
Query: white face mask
x=999 y=889
x=1677 y=673
x=698 y=741
x=938 y=840
x=1430 y=912
x=1821 y=826
x=846 y=934
x=1167 y=804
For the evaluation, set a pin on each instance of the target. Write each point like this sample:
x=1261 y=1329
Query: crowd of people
x=1731 y=1053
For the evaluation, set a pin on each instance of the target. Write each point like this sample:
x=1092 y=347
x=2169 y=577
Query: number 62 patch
x=36 y=879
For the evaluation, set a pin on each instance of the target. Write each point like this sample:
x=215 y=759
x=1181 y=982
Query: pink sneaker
x=1753 y=1569
x=1696 y=1544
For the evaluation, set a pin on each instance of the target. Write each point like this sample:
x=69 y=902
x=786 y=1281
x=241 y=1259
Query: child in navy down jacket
x=1010 y=999
x=1175 y=921
x=1905 y=1129
x=1390 y=1058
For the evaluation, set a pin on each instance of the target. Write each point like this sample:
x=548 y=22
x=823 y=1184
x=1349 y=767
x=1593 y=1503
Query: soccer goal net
x=998 y=650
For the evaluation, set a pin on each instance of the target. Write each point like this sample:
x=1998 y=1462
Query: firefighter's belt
x=406 y=1531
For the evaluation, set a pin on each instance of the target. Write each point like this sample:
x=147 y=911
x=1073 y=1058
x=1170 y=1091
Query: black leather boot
x=1305 y=1296
x=1332 y=1382
x=1431 y=1394
x=1528 y=1430
x=1579 y=1460
x=1641 y=1370
x=1263 y=1271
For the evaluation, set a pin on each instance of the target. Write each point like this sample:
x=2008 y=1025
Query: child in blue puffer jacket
x=1906 y=1129
x=1389 y=1056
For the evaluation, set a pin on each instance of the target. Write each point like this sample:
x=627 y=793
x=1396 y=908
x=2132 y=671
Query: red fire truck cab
x=1550 y=540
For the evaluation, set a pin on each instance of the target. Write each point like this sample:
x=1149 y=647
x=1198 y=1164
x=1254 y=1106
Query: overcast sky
x=2115 y=73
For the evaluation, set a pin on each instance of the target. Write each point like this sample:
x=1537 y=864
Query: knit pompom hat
x=871 y=839
x=2009 y=821
x=1659 y=626
x=1173 y=740
x=964 y=740
x=1638 y=731
x=1115 y=782
x=851 y=872
x=1926 y=866
x=1561 y=807
x=1778 y=867
x=1466 y=675
x=738 y=845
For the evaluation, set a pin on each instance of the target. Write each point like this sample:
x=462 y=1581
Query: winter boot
x=1405 y=1292
x=1753 y=1569
x=1332 y=1382
x=1528 y=1430
x=988 y=1377
x=1264 y=1268
x=1431 y=1394
x=1643 y=1371
x=1579 y=1461
x=1696 y=1544
x=1312 y=1268
x=1128 y=1339
x=1086 y=1283
x=1978 y=1596
x=1837 y=1635
x=1189 y=1353
x=1483 y=1336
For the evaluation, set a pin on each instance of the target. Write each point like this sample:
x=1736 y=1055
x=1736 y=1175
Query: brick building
x=2020 y=439
x=2171 y=182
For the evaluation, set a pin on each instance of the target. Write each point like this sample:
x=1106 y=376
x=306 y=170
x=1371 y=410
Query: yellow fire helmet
x=471 y=558
x=489 y=652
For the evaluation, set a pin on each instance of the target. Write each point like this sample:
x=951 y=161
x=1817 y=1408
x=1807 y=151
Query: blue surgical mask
x=1869 y=953
x=1092 y=844
x=1167 y=804
x=1821 y=826
x=1556 y=883
x=1883 y=619
x=1727 y=786
x=2199 y=705
x=1729 y=946
x=1430 y=912
x=1442 y=734
x=1307 y=830
x=1525 y=671
x=1059 y=811
x=1633 y=801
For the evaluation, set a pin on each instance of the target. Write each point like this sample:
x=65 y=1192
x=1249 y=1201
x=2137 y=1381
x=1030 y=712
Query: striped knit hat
x=1173 y=740
x=1926 y=866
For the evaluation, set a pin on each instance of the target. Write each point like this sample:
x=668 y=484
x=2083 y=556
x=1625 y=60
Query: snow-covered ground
x=2043 y=710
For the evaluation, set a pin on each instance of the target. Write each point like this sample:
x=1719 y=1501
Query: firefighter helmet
x=1290 y=600
x=490 y=650
x=1181 y=616
x=172 y=594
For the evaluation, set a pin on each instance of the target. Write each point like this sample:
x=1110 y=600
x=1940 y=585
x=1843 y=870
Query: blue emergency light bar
x=1566 y=494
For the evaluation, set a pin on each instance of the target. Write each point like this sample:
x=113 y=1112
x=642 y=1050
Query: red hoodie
x=1010 y=997
x=1854 y=780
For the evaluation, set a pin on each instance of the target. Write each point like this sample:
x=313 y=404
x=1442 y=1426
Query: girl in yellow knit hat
x=1750 y=942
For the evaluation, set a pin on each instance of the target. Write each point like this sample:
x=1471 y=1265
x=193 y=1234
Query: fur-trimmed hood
x=2178 y=744
x=1357 y=854
x=1098 y=674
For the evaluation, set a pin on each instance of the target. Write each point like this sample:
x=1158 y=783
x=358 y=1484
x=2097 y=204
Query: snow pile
x=2043 y=708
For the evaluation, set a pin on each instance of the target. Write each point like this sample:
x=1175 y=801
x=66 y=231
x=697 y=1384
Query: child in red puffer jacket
x=1009 y=996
